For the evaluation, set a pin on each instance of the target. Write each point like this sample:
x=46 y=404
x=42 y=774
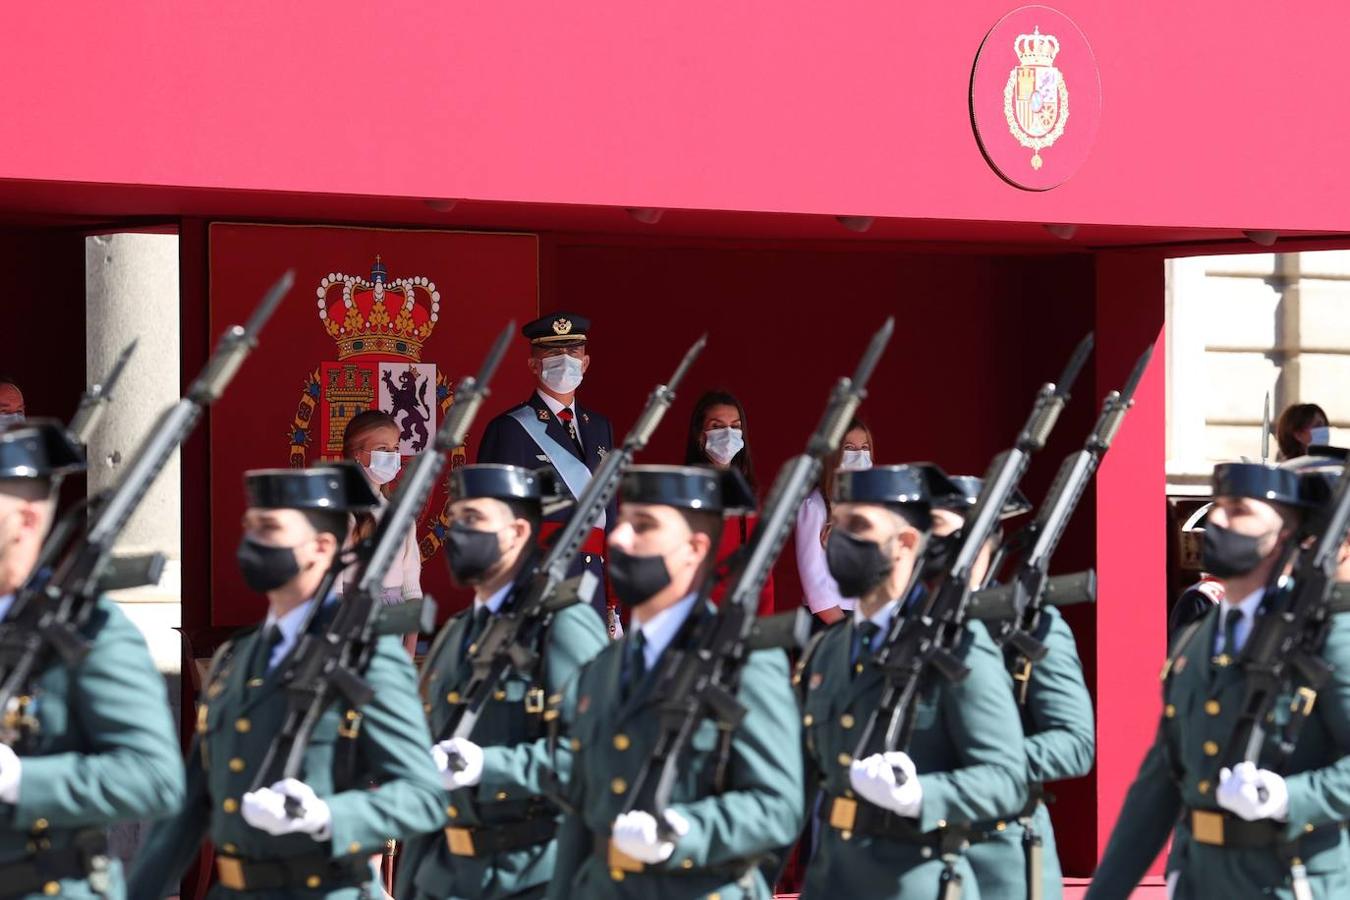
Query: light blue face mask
x=8 y=419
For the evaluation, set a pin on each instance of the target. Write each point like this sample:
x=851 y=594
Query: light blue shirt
x=289 y=625
x=882 y=620
x=494 y=602
x=5 y=603
x=660 y=629
x=1248 y=605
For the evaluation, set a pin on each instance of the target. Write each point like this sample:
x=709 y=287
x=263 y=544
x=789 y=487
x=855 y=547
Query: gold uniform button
x=576 y=744
x=857 y=667
x=714 y=896
x=499 y=695
x=687 y=864
x=452 y=812
x=1001 y=826
x=808 y=720
x=313 y=881
x=230 y=805
x=41 y=825
x=1212 y=707
x=51 y=888
x=1170 y=711
x=1211 y=748
x=231 y=849
x=242 y=725
x=452 y=697
x=621 y=742
x=942 y=823
x=254 y=682
x=618 y=786
x=501 y=795
x=237 y=764
x=846 y=721
x=845 y=759
x=1203 y=787
x=846 y=835
x=354 y=847
x=1309 y=828
x=616 y=874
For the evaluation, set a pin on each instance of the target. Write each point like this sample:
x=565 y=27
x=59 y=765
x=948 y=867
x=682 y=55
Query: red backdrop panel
x=265 y=418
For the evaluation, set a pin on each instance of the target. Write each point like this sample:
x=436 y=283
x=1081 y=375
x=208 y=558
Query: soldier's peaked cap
x=337 y=487
x=38 y=449
x=560 y=329
x=502 y=483
x=1259 y=481
x=701 y=488
x=968 y=487
x=903 y=485
x=1318 y=473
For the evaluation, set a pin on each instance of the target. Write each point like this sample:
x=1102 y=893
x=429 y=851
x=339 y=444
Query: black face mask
x=266 y=568
x=939 y=555
x=856 y=565
x=1228 y=554
x=636 y=579
x=471 y=552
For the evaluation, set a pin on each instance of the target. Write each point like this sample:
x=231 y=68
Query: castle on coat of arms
x=1036 y=99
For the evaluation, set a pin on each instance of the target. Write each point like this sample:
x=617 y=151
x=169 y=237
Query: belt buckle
x=843 y=813
x=622 y=861
x=534 y=701
x=1207 y=827
x=231 y=872
x=460 y=841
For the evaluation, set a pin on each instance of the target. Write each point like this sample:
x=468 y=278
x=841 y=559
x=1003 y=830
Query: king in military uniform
x=1250 y=830
x=314 y=836
x=1017 y=858
x=90 y=745
x=883 y=836
x=500 y=824
x=737 y=799
x=552 y=429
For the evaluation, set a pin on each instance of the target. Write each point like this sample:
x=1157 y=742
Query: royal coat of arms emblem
x=1036 y=99
x=380 y=326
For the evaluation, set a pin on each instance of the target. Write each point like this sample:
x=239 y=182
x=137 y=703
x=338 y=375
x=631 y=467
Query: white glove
x=265 y=810
x=874 y=780
x=470 y=753
x=634 y=834
x=1240 y=790
x=10 y=770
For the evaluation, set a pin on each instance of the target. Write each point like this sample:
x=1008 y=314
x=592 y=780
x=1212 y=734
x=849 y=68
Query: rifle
x=95 y=400
x=46 y=619
x=1031 y=579
x=922 y=640
x=331 y=665
x=700 y=680
x=510 y=637
x=1286 y=642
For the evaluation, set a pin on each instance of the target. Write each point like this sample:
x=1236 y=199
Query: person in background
x=372 y=440
x=822 y=593
x=1300 y=426
x=718 y=438
x=11 y=403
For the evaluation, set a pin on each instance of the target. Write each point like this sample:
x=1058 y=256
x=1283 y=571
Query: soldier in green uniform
x=500 y=825
x=293 y=530
x=728 y=810
x=1237 y=833
x=966 y=762
x=1056 y=716
x=94 y=744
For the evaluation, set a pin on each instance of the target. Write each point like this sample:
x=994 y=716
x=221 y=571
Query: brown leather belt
x=310 y=871
x=489 y=840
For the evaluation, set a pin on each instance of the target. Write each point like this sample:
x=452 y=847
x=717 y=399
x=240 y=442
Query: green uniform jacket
x=1061 y=737
x=236 y=721
x=106 y=750
x=1201 y=701
x=517 y=769
x=967 y=747
x=757 y=812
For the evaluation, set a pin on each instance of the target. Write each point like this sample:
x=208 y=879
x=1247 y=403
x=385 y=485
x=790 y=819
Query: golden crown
x=377 y=315
x=1036 y=49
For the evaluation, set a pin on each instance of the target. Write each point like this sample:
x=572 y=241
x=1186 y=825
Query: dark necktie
x=864 y=636
x=568 y=419
x=262 y=651
x=476 y=627
x=1230 y=625
x=635 y=665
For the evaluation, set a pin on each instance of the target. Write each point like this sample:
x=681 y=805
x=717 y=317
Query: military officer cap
x=38 y=449
x=560 y=329
x=337 y=487
x=698 y=488
x=908 y=489
x=962 y=500
x=1259 y=481
x=538 y=487
x=1318 y=473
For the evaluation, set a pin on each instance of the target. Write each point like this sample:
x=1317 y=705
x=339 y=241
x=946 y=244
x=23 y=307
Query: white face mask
x=8 y=419
x=722 y=444
x=384 y=466
x=854 y=460
x=1321 y=437
x=560 y=374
